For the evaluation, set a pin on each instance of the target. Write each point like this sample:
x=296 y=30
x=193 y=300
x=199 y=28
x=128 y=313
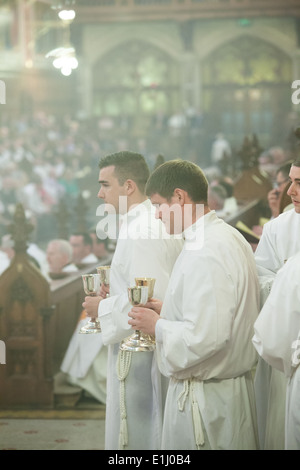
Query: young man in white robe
x=135 y=388
x=279 y=241
x=204 y=326
x=277 y=340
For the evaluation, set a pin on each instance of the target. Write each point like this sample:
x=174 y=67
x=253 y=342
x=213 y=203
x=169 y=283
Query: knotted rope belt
x=189 y=391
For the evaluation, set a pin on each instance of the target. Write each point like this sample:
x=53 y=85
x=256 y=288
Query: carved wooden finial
x=249 y=152
x=20 y=230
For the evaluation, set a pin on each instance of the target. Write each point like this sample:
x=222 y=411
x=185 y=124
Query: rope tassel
x=188 y=389
x=123 y=367
x=199 y=435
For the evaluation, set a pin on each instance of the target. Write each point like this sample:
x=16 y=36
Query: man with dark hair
x=135 y=388
x=279 y=241
x=128 y=165
x=204 y=326
x=216 y=199
x=82 y=245
x=101 y=244
x=187 y=176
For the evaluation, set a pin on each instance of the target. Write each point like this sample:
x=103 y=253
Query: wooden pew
x=66 y=296
x=249 y=213
x=37 y=320
x=252 y=184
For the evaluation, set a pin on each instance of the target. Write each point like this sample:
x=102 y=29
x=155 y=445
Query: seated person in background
x=266 y=165
x=7 y=246
x=216 y=199
x=100 y=244
x=82 y=245
x=274 y=196
x=230 y=204
x=78 y=370
x=59 y=256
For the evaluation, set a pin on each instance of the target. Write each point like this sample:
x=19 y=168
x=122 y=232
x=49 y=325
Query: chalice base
x=91 y=327
x=138 y=342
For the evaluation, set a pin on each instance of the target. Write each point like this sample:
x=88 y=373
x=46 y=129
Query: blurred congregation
x=48 y=162
x=207 y=82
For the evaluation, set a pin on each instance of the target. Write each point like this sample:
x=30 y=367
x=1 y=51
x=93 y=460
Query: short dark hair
x=285 y=169
x=86 y=238
x=178 y=174
x=99 y=239
x=296 y=162
x=128 y=165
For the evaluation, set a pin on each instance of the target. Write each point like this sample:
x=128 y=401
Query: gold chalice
x=137 y=342
x=146 y=281
x=150 y=282
x=104 y=273
x=91 y=285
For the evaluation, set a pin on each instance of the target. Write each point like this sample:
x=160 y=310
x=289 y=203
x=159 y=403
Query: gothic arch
x=246 y=89
x=227 y=34
x=135 y=78
x=100 y=45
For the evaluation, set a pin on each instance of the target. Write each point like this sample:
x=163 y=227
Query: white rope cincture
x=183 y=395
x=295 y=359
x=199 y=435
x=123 y=366
x=189 y=389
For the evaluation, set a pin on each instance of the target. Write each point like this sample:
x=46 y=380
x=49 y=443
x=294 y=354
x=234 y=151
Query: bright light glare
x=58 y=63
x=73 y=62
x=64 y=59
x=66 y=15
x=66 y=70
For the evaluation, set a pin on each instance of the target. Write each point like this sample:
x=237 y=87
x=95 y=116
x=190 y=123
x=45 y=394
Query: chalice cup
x=91 y=286
x=104 y=273
x=146 y=281
x=150 y=282
x=138 y=295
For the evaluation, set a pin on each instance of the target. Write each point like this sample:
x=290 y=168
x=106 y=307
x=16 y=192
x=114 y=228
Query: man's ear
x=179 y=196
x=130 y=186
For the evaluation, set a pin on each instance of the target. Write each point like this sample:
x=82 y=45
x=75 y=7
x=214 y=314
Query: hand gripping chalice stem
x=91 y=285
x=104 y=273
x=139 y=295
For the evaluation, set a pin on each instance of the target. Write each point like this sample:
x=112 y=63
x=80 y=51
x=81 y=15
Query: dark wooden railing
x=249 y=214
